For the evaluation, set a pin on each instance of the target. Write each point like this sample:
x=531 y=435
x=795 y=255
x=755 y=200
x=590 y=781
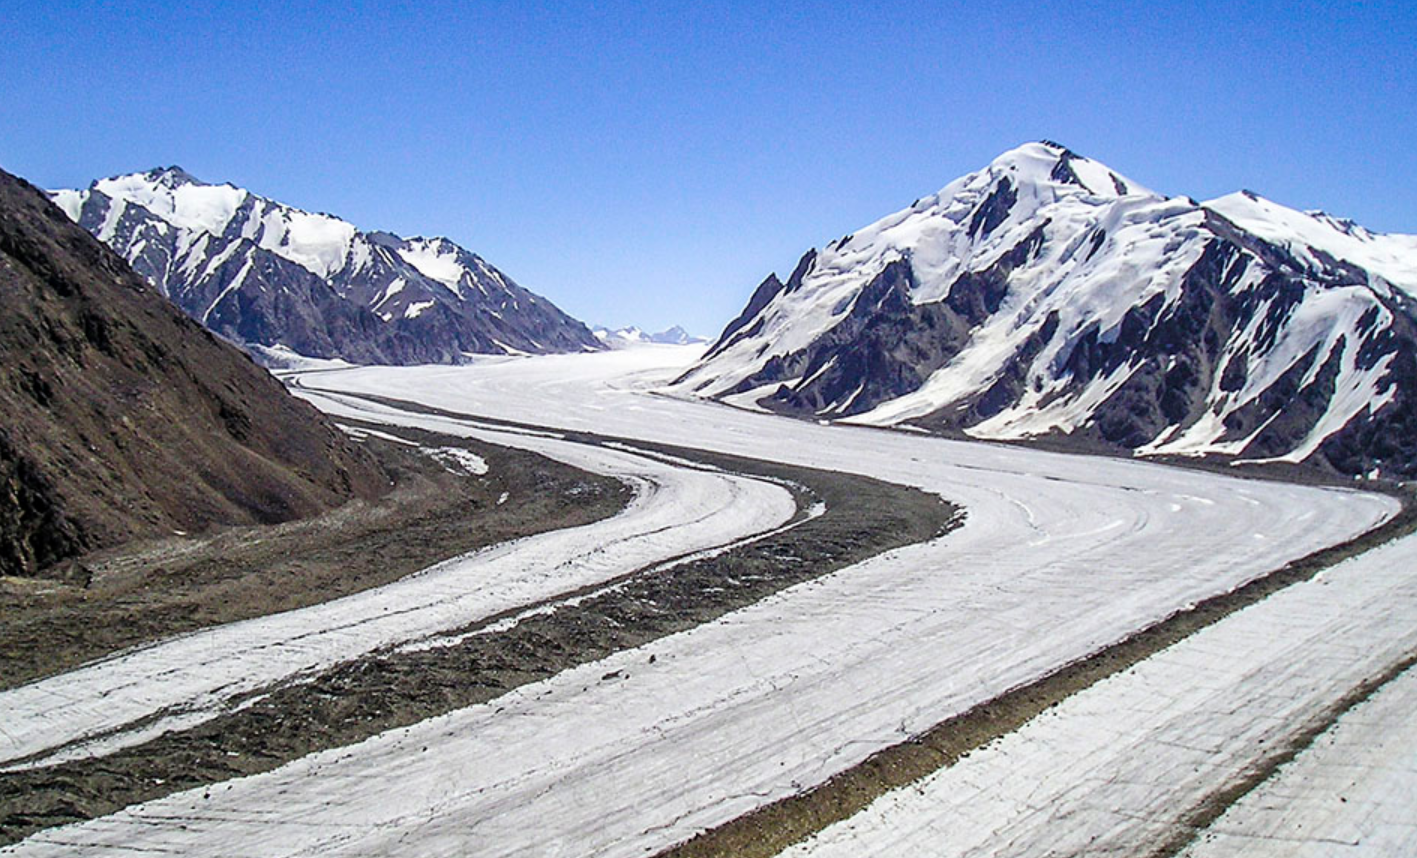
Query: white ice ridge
x=1059 y=556
x=1390 y=256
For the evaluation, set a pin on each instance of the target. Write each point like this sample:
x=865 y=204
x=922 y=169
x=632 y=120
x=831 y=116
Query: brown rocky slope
x=121 y=418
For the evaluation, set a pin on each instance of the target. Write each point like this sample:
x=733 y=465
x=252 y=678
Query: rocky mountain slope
x=124 y=418
x=260 y=272
x=1048 y=296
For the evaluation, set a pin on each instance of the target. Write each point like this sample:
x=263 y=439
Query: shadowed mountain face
x=262 y=273
x=1046 y=296
x=123 y=418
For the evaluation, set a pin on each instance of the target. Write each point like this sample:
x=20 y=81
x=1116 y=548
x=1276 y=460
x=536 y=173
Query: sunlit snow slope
x=1048 y=295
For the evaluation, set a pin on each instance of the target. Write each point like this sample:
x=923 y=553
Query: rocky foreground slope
x=124 y=418
x=1048 y=296
x=260 y=272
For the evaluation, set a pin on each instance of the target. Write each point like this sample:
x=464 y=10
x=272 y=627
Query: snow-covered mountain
x=620 y=338
x=1048 y=296
x=259 y=272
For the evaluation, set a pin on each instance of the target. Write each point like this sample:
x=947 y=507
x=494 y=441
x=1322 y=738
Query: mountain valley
x=486 y=601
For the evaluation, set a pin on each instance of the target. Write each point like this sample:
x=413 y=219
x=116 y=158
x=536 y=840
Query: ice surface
x=676 y=511
x=1349 y=793
x=1111 y=770
x=1058 y=556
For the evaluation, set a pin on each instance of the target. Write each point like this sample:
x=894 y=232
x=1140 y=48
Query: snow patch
x=437 y=260
x=459 y=461
x=415 y=309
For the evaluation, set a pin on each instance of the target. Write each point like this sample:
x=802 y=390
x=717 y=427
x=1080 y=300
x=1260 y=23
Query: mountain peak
x=1048 y=163
x=1313 y=234
x=172 y=177
x=210 y=441
x=635 y=336
x=1047 y=295
x=169 y=178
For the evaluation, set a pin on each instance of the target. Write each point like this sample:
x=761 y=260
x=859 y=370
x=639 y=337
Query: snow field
x=1390 y=256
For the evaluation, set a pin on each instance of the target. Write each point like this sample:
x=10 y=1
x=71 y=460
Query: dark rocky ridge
x=124 y=418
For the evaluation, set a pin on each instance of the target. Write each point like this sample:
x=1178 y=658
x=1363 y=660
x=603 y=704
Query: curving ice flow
x=1112 y=770
x=1059 y=556
x=188 y=679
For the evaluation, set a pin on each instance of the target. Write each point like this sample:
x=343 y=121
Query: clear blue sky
x=649 y=163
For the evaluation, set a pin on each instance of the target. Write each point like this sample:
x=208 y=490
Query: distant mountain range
x=263 y=273
x=1048 y=296
x=124 y=418
x=632 y=336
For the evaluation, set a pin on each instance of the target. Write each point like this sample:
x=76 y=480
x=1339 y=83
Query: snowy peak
x=677 y=336
x=1001 y=217
x=172 y=177
x=434 y=258
x=1049 y=164
x=1047 y=295
x=265 y=273
x=319 y=243
x=178 y=431
x=441 y=260
x=631 y=336
x=1032 y=176
x=172 y=194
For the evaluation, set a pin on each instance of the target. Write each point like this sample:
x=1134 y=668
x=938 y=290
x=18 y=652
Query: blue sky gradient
x=650 y=163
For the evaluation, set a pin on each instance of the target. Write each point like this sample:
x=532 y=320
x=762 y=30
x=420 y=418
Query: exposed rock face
x=124 y=418
x=1047 y=296
x=259 y=272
